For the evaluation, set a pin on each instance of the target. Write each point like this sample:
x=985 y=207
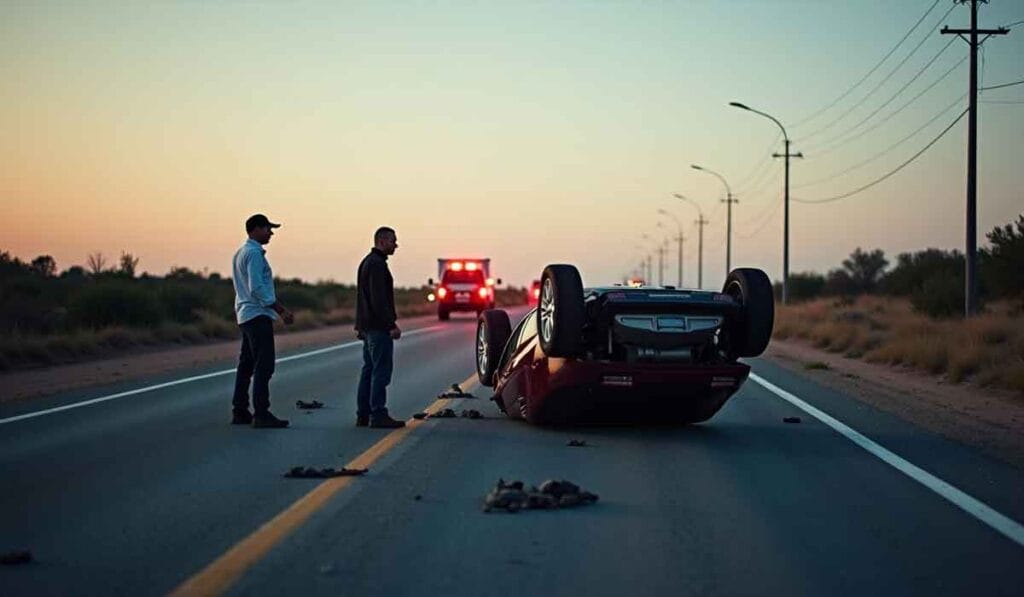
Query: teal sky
x=528 y=132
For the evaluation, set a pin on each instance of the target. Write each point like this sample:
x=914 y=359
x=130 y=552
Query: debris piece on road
x=472 y=414
x=13 y=558
x=576 y=443
x=444 y=413
x=314 y=404
x=455 y=392
x=512 y=497
x=420 y=416
x=308 y=472
x=791 y=420
x=417 y=497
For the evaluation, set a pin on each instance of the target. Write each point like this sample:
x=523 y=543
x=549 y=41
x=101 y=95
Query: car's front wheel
x=561 y=313
x=751 y=331
x=493 y=329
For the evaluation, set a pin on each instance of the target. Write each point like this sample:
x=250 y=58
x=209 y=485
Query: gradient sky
x=529 y=132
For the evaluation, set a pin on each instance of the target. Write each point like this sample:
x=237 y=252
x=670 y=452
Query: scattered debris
x=791 y=420
x=577 y=443
x=472 y=414
x=314 y=404
x=455 y=392
x=13 y=558
x=420 y=416
x=417 y=497
x=514 y=496
x=444 y=413
x=308 y=472
x=817 y=365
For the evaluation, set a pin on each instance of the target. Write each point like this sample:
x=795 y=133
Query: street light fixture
x=728 y=227
x=785 y=225
x=679 y=239
x=700 y=238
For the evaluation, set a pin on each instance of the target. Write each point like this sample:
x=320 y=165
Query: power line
x=873 y=69
x=756 y=169
x=898 y=168
x=886 y=150
x=888 y=117
x=764 y=223
x=1001 y=86
x=895 y=95
x=1002 y=101
x=883 y=81
x=1008 y=25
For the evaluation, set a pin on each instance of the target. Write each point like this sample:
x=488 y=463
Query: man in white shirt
x=256 y=309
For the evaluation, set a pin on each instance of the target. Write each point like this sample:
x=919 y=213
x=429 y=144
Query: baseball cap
x=259 y=221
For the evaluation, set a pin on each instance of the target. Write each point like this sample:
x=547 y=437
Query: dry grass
x=988 y=349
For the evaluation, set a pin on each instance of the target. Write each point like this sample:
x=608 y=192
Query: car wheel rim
x=481 y=350
x=547 y=310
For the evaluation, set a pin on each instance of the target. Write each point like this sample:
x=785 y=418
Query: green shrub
x=112 y=303
x=939 y=297
x=180 y=302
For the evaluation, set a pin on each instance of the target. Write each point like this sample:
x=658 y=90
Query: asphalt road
x=141 y=493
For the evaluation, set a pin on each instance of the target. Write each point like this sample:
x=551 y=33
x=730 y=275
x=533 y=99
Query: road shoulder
x=987 y=419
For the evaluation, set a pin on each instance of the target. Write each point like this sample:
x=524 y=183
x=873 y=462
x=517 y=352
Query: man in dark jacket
x=375 y=325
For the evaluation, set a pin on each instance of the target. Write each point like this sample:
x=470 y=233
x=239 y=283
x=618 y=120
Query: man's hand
x=396 y=333
x=288 y=317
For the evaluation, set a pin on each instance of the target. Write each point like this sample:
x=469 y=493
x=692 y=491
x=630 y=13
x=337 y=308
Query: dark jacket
x=375 y=294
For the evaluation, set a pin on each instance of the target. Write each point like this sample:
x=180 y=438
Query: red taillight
x=482 y=292
x=456 y=266
x=536 y=293
x=470 y=266
x=442 y=292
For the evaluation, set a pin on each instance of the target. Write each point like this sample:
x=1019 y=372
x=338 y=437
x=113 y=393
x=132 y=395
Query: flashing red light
x=482 y=292
x=471 y=267
x=455 y=266
x=536 y=293
x=442 y=292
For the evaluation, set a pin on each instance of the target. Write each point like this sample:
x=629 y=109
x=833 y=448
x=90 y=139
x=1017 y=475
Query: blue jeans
x=378 y=362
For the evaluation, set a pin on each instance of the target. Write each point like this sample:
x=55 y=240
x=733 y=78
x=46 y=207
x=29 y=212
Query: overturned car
x=617 y=353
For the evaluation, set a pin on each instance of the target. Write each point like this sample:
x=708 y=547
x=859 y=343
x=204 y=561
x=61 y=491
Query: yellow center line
x=223 y=572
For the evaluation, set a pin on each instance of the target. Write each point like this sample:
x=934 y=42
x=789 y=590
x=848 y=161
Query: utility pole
x=729 y=200
x=971 y=250
x=700 y=251
x=700 y=221
x=661 y=264
x=785 y=226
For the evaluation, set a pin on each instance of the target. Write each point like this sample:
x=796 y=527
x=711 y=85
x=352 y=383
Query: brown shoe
x=385 y=422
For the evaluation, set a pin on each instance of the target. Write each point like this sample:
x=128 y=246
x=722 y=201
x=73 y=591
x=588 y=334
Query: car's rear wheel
x=751 y=331
x=493 y=329
x=443 y=315
x=561 y=313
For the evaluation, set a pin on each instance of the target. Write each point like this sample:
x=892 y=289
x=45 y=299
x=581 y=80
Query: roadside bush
x=939 y=297
x=298 y=298
x=181 y=302
x=113 y=303
x=804 y=286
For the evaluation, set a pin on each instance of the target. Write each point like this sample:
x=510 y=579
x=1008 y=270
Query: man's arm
x=381 y=297
x=262 y=288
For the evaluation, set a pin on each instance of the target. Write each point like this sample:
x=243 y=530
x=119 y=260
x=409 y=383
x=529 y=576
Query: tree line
x=933 y=279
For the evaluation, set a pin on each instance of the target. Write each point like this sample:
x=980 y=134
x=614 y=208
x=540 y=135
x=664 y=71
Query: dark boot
x=241 y=417
x=268 y=421
x=385 y=422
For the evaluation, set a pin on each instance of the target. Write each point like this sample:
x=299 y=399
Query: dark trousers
x=255 y=361
x=378 y=362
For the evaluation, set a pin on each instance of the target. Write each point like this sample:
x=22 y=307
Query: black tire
x=443 y=315
x=493 y=329
x=751 y=331
x=560 y=311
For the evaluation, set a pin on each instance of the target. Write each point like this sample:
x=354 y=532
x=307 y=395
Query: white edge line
x=1004 y=525
x=184 y=380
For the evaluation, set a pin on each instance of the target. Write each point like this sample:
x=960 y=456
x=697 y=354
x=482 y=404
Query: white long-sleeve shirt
x=254 y=283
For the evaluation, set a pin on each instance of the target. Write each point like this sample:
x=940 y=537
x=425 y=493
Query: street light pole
x=785 y=225
x=729 y=200
x=679 y=240
x=700 y=239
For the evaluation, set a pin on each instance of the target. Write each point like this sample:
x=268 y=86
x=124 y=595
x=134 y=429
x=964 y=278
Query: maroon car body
x=533 y=386
x=621 y=353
